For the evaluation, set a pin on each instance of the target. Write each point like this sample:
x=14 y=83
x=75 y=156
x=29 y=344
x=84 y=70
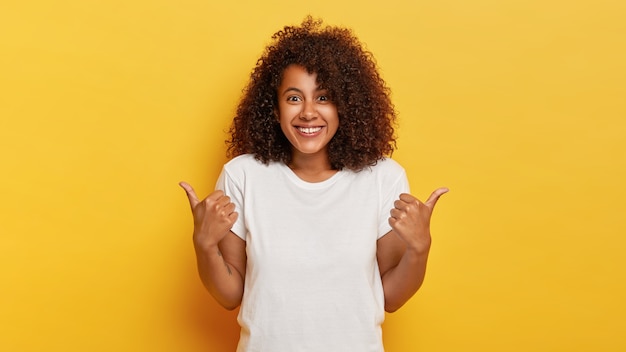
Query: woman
x=312 y=228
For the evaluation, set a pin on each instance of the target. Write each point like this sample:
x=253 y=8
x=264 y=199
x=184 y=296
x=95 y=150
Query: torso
x=312 y=278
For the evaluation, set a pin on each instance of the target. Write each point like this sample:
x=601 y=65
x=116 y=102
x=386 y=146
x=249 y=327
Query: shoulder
x=385 y=173
x=388 y=164
x=390 y=176
x=240 y=161
x=246 y=164
x=386 y=168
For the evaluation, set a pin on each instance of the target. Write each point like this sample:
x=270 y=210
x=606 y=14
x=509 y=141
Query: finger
x=216 y=195
x=223 y=201
x=434 y=197
x=191 y=194
x=406 y=207
x=229 y=208
x=233 y=217
x=407 y=198
x=397 y=214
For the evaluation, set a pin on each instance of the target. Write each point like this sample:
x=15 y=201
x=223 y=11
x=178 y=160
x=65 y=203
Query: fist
x=410 y=219
x=213 y=217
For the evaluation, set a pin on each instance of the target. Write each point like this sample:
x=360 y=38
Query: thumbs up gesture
x=213 y=217
x=410 y=219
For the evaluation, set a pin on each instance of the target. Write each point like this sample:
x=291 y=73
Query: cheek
x=286 y=113
x=332 y=115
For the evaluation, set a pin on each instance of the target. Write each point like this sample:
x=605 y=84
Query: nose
x=308 y=111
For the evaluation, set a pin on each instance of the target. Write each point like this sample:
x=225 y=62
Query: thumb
x=434 y=197
x=191 y=194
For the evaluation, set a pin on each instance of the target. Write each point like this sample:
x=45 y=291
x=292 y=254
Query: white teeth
x=309 y=130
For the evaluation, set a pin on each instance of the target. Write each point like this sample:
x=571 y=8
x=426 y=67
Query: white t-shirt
x=312 y=281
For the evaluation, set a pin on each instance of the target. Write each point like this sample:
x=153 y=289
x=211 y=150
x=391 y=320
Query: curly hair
x=346 y=70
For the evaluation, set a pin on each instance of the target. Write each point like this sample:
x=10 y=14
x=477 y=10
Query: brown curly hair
x=346 y=70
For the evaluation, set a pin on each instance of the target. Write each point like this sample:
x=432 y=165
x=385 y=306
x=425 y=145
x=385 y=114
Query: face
x=307 y=117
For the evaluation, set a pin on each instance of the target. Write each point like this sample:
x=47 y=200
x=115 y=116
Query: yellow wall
x=517 y=106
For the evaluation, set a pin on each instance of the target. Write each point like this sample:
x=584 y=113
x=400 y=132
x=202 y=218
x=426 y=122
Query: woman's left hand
x=410 y=219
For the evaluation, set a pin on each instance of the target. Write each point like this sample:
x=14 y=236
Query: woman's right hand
x=213 y=217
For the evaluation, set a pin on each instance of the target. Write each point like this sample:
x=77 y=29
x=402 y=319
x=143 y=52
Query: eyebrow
x=294 y=89
x=289 y=89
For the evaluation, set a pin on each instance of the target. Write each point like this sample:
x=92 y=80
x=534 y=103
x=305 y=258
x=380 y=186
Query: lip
x=309 y=131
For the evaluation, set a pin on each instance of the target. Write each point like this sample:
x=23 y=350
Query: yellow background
x=517 y=106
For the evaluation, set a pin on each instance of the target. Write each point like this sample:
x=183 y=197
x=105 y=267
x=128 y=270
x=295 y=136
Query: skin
x=309 y=121
x=220 y=254
x=303 y=105
x=403 y=252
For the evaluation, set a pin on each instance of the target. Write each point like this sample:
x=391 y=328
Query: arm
x=222 y=269
x=220 y=254
x=403 y=252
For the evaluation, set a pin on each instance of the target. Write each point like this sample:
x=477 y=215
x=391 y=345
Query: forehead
x=298 y=76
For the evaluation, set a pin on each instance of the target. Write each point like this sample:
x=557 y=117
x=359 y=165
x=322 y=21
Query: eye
x=323 y=98
x=293 y=98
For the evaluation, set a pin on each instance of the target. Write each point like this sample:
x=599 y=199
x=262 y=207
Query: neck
x=312 y=168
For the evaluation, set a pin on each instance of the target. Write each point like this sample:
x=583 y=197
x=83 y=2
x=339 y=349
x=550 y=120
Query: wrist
x=202 y=245
x=421 y=248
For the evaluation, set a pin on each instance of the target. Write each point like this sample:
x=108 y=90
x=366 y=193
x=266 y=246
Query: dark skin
x=220 y=254
x=309 y=121
x=402 y=253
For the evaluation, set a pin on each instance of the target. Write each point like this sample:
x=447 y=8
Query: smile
x=309 y=130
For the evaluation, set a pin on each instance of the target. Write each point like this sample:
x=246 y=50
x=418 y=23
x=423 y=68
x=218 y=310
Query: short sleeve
x=235 y=191
x=390 y=191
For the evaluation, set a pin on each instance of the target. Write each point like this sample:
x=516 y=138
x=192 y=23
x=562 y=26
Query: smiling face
x=307 y=117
